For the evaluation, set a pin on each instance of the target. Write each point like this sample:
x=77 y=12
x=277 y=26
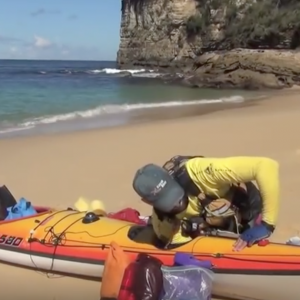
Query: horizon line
x=45 y=59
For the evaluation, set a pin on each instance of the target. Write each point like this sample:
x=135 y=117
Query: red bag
x=127 y=214
x=142 y=280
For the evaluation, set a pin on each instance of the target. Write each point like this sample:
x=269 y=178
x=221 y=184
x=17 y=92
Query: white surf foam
x=152 y=74
x=115 y=109
x=117 y=71
x=14 y=129
x=135 y=73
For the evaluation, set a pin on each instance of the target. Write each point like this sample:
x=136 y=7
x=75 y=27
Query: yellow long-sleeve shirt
x=214 y=176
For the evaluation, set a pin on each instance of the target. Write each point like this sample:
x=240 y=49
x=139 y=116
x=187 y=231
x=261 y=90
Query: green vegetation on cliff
x=260 y=24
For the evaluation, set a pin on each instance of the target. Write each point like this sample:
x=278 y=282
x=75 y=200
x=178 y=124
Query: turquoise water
x=52 y=96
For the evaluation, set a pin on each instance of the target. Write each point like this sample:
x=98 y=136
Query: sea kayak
x=76 y=243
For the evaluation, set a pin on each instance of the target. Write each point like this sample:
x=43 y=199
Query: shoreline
x=122 y=101
x=138 y=116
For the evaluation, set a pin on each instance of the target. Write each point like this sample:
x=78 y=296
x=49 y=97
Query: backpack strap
x=176 y=168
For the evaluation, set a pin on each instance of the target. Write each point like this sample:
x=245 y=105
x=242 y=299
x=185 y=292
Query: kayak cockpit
x=144 y=234
x=42 y=209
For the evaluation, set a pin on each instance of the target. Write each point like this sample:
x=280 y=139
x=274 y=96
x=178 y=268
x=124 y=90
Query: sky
x=59 y=29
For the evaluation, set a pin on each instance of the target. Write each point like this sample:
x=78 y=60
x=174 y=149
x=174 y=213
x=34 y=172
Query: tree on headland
x=260 y=24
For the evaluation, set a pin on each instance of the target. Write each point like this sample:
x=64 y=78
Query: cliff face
x=174 y=32
x=153 y=32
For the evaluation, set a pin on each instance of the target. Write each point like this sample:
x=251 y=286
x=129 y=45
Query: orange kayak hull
x=59 y=242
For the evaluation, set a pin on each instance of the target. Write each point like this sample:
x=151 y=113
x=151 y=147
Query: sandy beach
x=56 y=169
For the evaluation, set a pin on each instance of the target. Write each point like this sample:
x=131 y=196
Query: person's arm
x=265 y=171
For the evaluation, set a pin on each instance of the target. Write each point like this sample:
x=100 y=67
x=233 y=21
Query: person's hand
x=252 y=236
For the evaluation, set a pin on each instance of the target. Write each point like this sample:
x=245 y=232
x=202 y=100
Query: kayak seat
x=6 y=200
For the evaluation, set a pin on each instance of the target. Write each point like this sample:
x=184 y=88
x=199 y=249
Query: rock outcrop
x=185 y=33
x=249 y=69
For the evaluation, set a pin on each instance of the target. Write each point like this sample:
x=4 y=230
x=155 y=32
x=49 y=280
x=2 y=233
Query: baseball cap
x=157 y=187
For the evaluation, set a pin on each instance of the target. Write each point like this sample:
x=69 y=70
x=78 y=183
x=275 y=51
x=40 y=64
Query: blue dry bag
x=22 y=209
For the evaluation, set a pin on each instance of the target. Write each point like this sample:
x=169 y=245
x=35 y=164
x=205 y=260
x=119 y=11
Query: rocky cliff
x=175 y=33
x=153 y=32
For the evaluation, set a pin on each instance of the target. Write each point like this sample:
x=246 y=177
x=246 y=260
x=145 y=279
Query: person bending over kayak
x=190 y=193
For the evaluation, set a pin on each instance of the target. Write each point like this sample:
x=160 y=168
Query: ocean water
x=40 y=97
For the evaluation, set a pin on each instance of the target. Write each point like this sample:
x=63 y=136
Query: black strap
x=176 y=168
x=183 y=178
x=185 y=181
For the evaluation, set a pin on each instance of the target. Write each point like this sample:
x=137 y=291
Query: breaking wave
x=71 y=71
x=114 y=109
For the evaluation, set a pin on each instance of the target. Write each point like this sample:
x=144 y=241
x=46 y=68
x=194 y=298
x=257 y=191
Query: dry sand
x=56 y=170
